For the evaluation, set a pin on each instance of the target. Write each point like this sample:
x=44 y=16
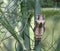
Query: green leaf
x=7 y=25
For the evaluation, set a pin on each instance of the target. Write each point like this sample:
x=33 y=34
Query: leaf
x=7 y=25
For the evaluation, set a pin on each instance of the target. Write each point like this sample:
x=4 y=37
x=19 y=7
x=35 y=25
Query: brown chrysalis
x=39 y=27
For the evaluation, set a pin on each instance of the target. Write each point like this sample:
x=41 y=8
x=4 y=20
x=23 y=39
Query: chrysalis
x=39 y=27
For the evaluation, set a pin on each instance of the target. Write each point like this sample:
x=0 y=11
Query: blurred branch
x=15 y=45
x=7 y=25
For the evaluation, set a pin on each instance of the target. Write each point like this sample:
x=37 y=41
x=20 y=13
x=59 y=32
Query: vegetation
x=17 y=23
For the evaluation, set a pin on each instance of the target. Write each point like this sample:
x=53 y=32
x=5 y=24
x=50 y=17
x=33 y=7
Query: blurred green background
x=51 y=37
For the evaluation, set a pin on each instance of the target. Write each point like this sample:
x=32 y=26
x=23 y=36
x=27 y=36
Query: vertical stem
x=37 y=12
x=37 y=8
x=25 y=27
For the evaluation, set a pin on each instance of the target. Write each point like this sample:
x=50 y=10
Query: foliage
x=49 y=3
x=11 y=14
